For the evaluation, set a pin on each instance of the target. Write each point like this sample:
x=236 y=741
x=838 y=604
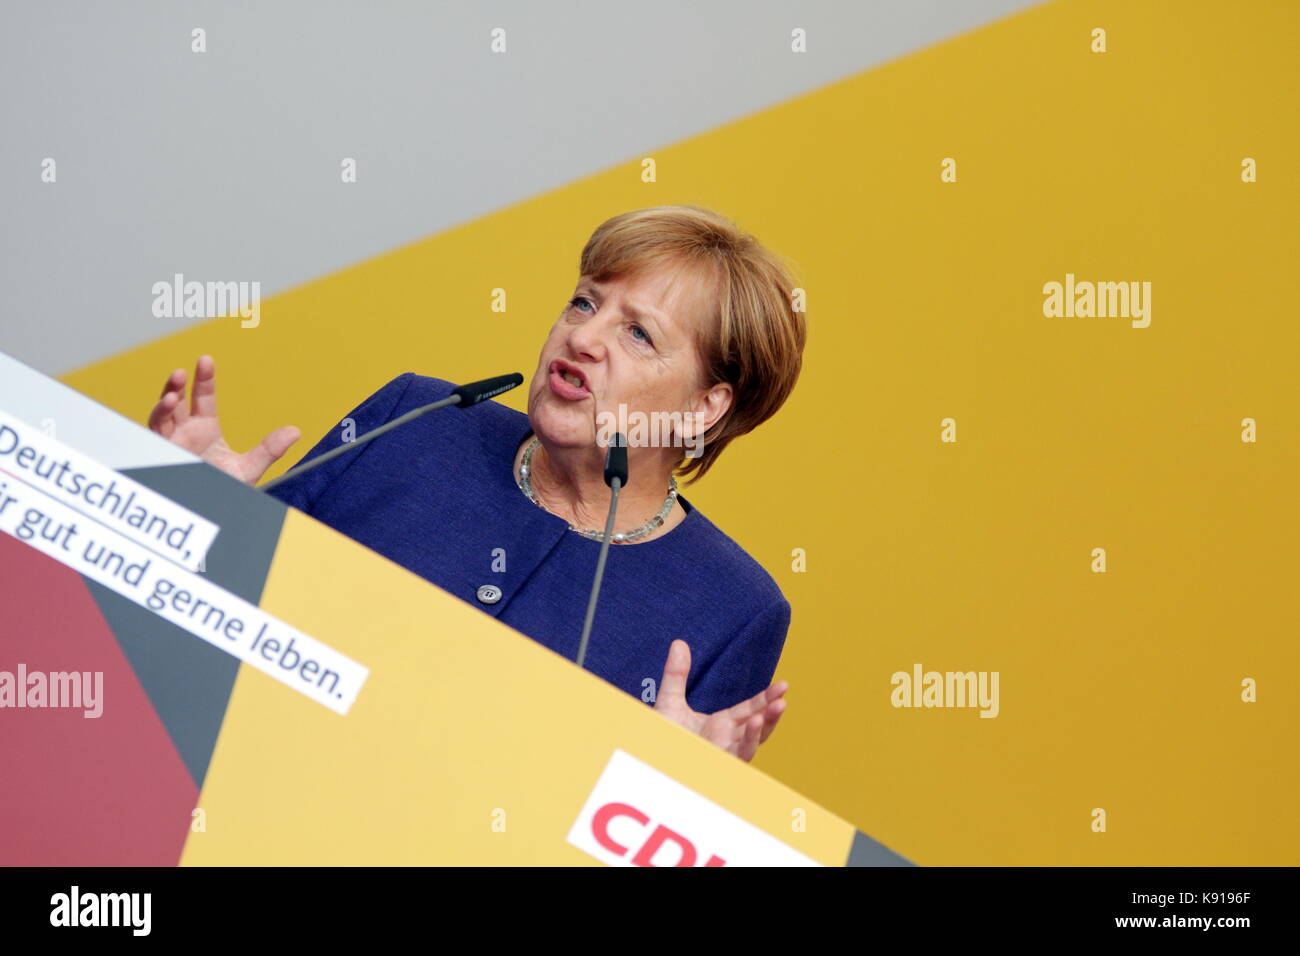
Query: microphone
x=476 y=392
x=616 y=463
x=616 y=478
x=462 y=396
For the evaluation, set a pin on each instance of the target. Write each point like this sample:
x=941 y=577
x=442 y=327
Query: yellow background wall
x=1119 y=690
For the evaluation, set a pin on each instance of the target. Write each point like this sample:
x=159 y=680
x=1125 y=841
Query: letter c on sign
x=600 y=824
x=661 y=834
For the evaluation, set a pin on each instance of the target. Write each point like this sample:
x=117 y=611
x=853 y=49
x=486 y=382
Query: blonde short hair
x=752 y=337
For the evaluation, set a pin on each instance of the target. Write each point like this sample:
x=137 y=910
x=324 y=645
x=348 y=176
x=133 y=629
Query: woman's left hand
x=739 y=729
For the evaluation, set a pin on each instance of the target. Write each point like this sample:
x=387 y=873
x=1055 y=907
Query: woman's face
x=630 y=341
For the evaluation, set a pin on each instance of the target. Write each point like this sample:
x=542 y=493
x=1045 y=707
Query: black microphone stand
x=463 y=395
x=616 y=478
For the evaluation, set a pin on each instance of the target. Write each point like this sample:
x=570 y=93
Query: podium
x=193 y=673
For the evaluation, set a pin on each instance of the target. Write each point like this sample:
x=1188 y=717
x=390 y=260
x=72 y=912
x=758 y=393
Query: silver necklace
x=525 y=483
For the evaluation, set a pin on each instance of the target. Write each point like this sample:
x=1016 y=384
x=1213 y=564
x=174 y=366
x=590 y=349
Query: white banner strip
x=190 y=601
x=101 y=494
x=638 y=816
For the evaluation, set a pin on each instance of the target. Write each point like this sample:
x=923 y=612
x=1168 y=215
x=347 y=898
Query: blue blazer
x=438 y=496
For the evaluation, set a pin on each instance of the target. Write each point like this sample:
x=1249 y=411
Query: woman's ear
x=710 y=406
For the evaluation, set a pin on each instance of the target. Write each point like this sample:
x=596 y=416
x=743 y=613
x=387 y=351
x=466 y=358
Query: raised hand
x=739 y=729
x=197 y=428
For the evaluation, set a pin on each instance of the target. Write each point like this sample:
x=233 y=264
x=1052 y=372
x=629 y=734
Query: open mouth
x=568 y=381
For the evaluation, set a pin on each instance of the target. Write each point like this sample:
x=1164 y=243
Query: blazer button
x=489 y=594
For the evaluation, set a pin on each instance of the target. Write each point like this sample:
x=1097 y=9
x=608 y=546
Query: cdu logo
x=637 y=816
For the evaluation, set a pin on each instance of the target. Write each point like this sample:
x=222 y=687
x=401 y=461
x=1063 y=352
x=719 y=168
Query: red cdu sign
x=637 y=816
x=657 y=839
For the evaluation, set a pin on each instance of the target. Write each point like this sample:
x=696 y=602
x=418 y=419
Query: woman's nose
x=589 y=338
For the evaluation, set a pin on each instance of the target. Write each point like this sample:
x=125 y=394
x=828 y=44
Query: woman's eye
x=638 y=333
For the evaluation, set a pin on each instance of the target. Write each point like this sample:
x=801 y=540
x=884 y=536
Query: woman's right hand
x=198 y=430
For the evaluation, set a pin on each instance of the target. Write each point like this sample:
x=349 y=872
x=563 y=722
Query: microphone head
x=476 y=392
x=616 y=461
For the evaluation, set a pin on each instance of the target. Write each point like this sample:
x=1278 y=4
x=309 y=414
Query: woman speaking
x=677 y=318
